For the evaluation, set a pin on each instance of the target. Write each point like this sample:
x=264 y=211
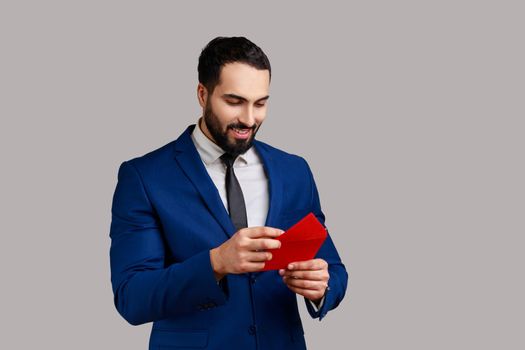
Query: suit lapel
x=275 y=184
x=191 y=164
x=275 y=187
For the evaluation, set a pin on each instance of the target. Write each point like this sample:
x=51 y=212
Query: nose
x=247 y=117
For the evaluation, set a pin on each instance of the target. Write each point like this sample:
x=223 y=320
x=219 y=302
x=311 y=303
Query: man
x=191 y=223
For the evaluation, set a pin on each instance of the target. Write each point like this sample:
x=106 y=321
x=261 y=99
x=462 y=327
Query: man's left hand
x=308 y=278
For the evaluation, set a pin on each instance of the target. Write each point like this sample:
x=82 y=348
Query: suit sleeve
x=144 y=288
x=338 y=276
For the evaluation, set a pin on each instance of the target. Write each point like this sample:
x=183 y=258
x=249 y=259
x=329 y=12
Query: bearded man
x=192 y=223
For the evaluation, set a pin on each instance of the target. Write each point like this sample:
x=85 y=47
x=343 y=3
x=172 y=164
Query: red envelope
x=300 y=242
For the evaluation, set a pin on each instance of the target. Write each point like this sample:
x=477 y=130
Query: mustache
x=242 y=126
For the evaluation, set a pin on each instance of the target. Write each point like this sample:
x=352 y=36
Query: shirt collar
x=210 y=152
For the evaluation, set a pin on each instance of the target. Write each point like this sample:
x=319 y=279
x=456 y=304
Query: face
x=237 y=107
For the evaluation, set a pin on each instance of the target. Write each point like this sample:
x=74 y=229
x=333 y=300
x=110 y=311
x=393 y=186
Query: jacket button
x=252 y=329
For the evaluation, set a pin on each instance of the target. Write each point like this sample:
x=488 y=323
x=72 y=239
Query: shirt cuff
x=314 y=305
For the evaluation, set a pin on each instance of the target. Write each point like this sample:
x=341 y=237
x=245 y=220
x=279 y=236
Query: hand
x=244 y=251
x=308 y=278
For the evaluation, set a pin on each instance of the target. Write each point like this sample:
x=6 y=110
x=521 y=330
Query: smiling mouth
x=241 y=133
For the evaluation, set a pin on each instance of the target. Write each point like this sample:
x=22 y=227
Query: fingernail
x=290 y=267
x=281 y=272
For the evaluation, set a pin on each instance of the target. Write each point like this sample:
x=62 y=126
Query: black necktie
x=236 y=205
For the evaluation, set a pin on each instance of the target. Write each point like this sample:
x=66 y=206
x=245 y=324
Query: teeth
x=243 y=131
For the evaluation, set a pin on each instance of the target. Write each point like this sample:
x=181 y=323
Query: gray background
x=409 y=112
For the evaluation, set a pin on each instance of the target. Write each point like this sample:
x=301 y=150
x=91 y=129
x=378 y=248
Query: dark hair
x=223 y=50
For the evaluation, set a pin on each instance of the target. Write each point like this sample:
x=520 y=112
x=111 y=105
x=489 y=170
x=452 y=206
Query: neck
x=202 y=125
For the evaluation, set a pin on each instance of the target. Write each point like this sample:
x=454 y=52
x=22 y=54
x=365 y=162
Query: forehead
x=243 y=80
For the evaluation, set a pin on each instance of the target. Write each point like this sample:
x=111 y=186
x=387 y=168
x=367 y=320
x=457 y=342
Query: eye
x=233 y=102
x=260 y=104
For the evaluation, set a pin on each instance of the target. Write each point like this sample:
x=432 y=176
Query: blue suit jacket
x=166 y=216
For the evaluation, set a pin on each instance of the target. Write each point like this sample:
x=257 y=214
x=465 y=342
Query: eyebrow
x=243 y=98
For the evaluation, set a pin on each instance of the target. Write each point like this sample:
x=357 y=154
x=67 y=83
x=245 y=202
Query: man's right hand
x=243 y=252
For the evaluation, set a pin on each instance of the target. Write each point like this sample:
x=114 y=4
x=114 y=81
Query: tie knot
x=228 y=159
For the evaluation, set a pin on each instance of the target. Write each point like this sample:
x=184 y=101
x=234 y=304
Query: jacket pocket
x=166 y=339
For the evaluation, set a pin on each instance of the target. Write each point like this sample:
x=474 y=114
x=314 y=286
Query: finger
x=305 y=284
x=315 y=275
x=263 y=243
x=314 y=264
x=250 y=267
x=263 y=231
x=307 y=293
x=259 y=256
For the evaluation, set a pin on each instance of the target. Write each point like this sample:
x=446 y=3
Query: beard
x=234 y=147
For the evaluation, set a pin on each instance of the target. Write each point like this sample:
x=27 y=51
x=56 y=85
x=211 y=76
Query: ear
x=202 y=95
